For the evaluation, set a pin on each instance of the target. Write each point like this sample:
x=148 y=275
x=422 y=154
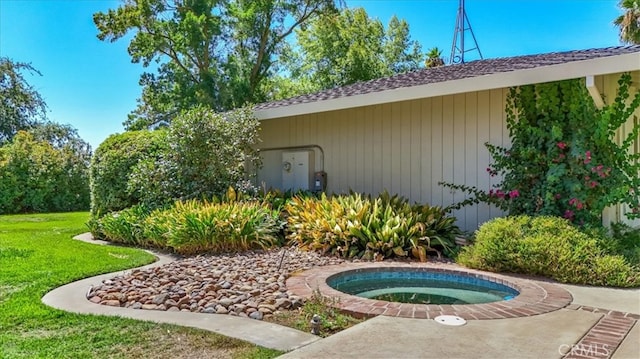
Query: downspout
x=590 y=83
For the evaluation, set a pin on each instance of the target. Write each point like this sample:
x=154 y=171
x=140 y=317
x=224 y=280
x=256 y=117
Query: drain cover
x=450 y=320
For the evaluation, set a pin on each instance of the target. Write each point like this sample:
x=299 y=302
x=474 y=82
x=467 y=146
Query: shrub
x=546 y=246
x=194 y=227
x=208 y=152
x=358 y=226
x=36 y=176
x=112 y=164
x=126 y=226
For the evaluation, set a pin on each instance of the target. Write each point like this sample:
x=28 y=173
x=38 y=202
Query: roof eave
x=557 y=72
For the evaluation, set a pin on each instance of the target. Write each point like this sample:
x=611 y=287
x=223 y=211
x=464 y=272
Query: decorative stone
x=160 y=298
x=111 y=303
x=245 y=284
x=256 y=315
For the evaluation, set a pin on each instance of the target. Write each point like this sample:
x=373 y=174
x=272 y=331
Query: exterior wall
x=408 y=147
x=608 y=85
x=404 y=147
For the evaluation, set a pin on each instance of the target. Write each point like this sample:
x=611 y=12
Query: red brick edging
x=535 y=297
x=603 y=339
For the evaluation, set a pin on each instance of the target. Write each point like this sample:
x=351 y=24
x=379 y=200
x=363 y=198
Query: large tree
x=629 y=21
x=21 y=106
x=215 y=53
x=348 y=47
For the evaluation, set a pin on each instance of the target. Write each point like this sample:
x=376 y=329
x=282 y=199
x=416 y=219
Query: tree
x=214 y=53
x=21 y=107
x=629 y=22
x=348 y=47
x=434 y=58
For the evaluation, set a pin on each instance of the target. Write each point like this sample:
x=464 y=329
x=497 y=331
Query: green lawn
x=37 y=254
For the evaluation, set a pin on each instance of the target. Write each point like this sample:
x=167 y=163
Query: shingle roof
x=452 y=72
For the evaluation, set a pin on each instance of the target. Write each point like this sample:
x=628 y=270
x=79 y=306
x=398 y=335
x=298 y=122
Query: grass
x=37 y=254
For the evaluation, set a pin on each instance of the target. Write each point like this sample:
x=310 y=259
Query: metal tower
x=457 y=47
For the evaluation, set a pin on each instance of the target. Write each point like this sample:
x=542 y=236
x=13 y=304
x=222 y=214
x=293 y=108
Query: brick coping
x=534 y=298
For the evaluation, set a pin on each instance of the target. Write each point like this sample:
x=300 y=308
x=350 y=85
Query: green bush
x=209 y=152
x=38 y=176
x=194 y=227
x=546 y=246
x=126 y=226
x=356 y=226
x=112 y=164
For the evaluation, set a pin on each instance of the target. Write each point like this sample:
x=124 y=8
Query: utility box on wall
x=297 y=170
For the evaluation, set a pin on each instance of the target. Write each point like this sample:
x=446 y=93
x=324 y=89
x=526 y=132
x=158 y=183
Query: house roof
x=471 y=76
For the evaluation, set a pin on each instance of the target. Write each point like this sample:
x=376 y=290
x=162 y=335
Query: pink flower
x=500 y=194
x=587 y=158
x=568 y=214
x=514 y=193
x=572 y=201
x=562 y=145
x=558 y=196
x=593 y=184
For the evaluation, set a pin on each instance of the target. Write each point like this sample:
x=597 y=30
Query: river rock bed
x=247 y=284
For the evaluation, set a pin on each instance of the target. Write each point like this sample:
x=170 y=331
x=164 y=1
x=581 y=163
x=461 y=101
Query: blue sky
x=93 y=85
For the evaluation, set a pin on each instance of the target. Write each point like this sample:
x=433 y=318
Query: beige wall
x=407 y=147
x=404 y=147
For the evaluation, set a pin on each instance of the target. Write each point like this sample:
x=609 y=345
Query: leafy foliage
x=355 y=226
x=214 y=53
x=629 y=21
x=194 y=227
x=112 y=163
x=208 y=152
x=331 y=319
x=546 y=246
x=434 y=58
x=564 y=160
x=21 y=106
x=338 y=49
x=35 y=176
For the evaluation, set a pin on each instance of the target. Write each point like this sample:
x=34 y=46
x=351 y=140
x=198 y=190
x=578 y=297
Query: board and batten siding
x=404 y=147
x=409 y=147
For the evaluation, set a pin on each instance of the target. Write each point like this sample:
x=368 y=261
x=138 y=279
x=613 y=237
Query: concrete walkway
x=72 y=298
x=565 y=333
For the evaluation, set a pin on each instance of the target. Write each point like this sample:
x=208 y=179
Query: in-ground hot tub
x=420 y=286
x=536 y=297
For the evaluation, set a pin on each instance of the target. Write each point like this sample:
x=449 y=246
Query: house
x=408 y=132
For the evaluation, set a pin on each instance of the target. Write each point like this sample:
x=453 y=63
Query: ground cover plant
x=551 y=247
x=37 y=255
x=357 y=226
x=331 y=319
x=190 y=227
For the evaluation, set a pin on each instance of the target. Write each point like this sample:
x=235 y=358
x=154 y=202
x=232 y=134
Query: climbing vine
x=564 y=159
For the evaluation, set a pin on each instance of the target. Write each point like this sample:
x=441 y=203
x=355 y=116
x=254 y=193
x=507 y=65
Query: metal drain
x=450 y=320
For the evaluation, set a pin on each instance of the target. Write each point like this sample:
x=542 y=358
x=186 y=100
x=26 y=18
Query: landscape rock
x=245 y=284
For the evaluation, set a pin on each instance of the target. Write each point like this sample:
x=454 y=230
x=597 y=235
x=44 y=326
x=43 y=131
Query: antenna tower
x=457 y=47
